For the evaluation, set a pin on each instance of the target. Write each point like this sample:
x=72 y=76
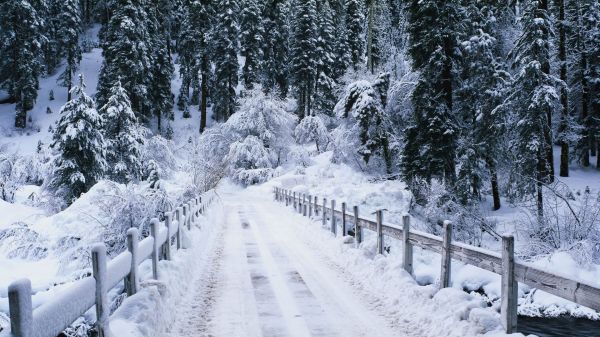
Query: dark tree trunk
x=20 y=117
x=585 y=120
x=564 y=97
x=549 y=154
x=203 y=101
x=446 y=80
x=494 y=182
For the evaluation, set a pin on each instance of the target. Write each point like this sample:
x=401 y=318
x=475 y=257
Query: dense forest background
x=464 y=101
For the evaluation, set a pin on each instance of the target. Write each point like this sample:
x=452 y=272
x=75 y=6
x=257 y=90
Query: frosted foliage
x=264 y=117
x=312 y=129
x=250 y=155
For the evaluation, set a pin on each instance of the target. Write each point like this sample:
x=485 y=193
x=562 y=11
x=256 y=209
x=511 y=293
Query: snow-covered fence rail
x=511 y=271
x=58 y=313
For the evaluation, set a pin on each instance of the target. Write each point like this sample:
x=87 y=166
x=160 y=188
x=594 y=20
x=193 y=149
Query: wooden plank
x=407 y=256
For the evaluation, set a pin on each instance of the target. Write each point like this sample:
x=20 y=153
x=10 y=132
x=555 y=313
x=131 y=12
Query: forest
x=486 y=112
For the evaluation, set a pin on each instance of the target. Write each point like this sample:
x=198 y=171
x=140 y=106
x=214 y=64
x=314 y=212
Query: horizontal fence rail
x=58 y=313
x=511 y=271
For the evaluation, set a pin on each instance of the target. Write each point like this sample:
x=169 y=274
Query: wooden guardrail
x=512 y=272
x=55 y=315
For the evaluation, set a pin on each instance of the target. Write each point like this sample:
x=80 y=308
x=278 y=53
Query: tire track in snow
x=193 y=313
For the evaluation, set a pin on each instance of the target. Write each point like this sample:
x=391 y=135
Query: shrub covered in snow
x=364 y=129
x=312 y=129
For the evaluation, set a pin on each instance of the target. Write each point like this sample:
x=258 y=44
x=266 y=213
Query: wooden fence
x=511 y=271
x=55 y=315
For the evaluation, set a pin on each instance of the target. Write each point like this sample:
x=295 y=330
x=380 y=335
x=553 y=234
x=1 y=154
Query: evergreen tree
x=21 y=39
x=483 y=84
x=362 y=109
x=431 y=138
x=123 y=137
x=276 y=49
x=354 y=26
x=531 y=98
x=162 y=65
x=126 y=43
x=251 y=40
x=68 y=41
x=80 y=144
x=226 y=62
x=324 y=97
x=304 y=66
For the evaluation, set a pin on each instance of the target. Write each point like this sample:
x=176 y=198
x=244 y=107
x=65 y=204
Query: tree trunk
x=203 y=100
x=371 y=23
x=494 y=182
x=69 y=85
x=564 y=97
x=446 y=80
x=549 y=154
x=585 y=120
x=21 y=116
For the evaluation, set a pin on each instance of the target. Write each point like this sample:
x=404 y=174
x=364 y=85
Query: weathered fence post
x=446 y=259
x=287 y=198
x=154 y=228
x=343 y=219
x=316 y=205
x=357 y=228
x=294 y=200
x=131 y=281
x=20 y=308
x=333 y=225
x=178 y=217
x=379 y=216
x=310 y=206
x=299 y=204
x=168 y=219
x=324 y=215
x=304 y=206
x=186 y=215
x=100 y=274
x=509 y=291
x=407 y=257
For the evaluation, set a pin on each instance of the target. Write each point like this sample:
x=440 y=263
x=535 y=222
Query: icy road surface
x=260 y=280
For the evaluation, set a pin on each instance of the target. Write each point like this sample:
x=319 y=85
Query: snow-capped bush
x=364 y=124
x=159 y=150
x=312 y=129
x=17 y=170
x=250 y=161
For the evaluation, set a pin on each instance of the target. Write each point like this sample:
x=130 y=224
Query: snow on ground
x=280 y=274
x=343 y=183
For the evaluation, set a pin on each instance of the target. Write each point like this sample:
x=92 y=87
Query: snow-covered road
x=262 y=280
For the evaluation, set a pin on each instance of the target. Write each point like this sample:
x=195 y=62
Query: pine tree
x=431 y=138
x=354 y=26
x=303 y=54
x=126 y=43
x=363 y=110
x=162 y=65
x=21 y=39
x=68 y=41
x=122 y=135
x=531 y=98
x=251 y=40
x=483 y=84
x=276 y=49
x=324 y=96
x=80 y=144
x=226 y=62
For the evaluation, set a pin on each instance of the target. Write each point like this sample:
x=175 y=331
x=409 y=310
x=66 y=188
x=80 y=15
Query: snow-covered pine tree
x=531 y=98
x=51 y=27
x=324 y=97
x=79 y=142
x=354 y=26
x=21 y=38
x=483 y=79
x=68 y=33
x=434 y=28
x=304 y=63
x=226 y=32
x=123 y=137
x=252 y=33
x=362 y=110
x=127 y=56
x=276 y=49
x=162 y=65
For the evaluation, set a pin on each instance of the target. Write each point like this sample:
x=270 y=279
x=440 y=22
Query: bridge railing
x=58 y=313
x=511 y=271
